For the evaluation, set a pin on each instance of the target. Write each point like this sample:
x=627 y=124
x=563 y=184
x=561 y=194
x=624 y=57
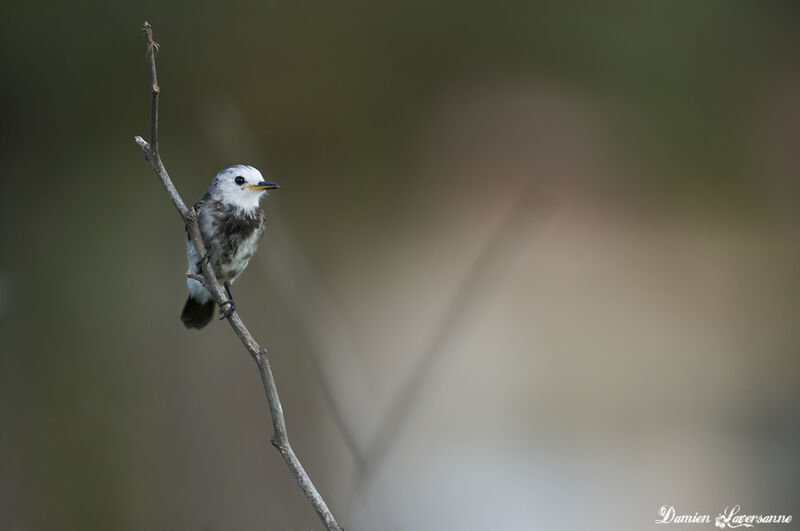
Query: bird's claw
x=226 y=312
x=206 y=259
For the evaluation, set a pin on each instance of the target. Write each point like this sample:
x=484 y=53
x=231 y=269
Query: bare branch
x=280 y=439
x=152 y=49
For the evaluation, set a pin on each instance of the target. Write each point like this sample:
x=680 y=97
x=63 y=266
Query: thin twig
x=280 y=439
x=152 y=49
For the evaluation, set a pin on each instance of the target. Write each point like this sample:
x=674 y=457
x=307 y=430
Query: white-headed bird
x=232 y=223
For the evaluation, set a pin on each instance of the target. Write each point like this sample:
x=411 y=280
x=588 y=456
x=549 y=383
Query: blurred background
x=532 y=265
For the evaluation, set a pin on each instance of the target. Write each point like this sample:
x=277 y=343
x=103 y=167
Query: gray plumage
x=232 y=223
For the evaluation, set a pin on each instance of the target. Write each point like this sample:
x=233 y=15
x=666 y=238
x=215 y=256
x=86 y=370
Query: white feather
x=224 y=188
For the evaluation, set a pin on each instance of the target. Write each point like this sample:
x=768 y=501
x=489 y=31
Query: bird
x=231 y=222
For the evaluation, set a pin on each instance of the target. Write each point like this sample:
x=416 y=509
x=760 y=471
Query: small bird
x=232 y=223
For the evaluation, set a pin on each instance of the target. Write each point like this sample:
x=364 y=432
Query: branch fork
x=280 y=439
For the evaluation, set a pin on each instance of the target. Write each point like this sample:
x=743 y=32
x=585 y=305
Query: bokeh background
x=533 y=265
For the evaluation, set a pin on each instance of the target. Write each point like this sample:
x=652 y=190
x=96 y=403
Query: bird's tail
x=197 y=314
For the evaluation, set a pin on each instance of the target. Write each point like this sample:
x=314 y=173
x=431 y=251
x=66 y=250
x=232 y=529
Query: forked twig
x=280 y=438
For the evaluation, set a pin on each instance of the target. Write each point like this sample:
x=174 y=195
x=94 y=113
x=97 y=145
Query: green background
x=635 y=343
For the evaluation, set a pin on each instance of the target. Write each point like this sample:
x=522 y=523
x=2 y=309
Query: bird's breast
x=232 y=237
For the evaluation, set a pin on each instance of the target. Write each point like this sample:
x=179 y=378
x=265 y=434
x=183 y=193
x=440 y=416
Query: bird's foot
x=226 y=312
x=206 y=259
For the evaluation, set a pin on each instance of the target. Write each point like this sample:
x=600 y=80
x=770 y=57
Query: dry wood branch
x=280 y=438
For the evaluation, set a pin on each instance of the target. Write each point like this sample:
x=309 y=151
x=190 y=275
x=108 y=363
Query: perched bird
x=232 y=223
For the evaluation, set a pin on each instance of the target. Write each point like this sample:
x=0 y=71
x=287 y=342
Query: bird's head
x=241 y=186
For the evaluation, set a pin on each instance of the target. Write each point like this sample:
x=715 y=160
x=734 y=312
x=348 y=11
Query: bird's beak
x=263 y=185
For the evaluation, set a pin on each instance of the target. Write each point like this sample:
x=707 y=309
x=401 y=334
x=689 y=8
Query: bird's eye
x=239 y=180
